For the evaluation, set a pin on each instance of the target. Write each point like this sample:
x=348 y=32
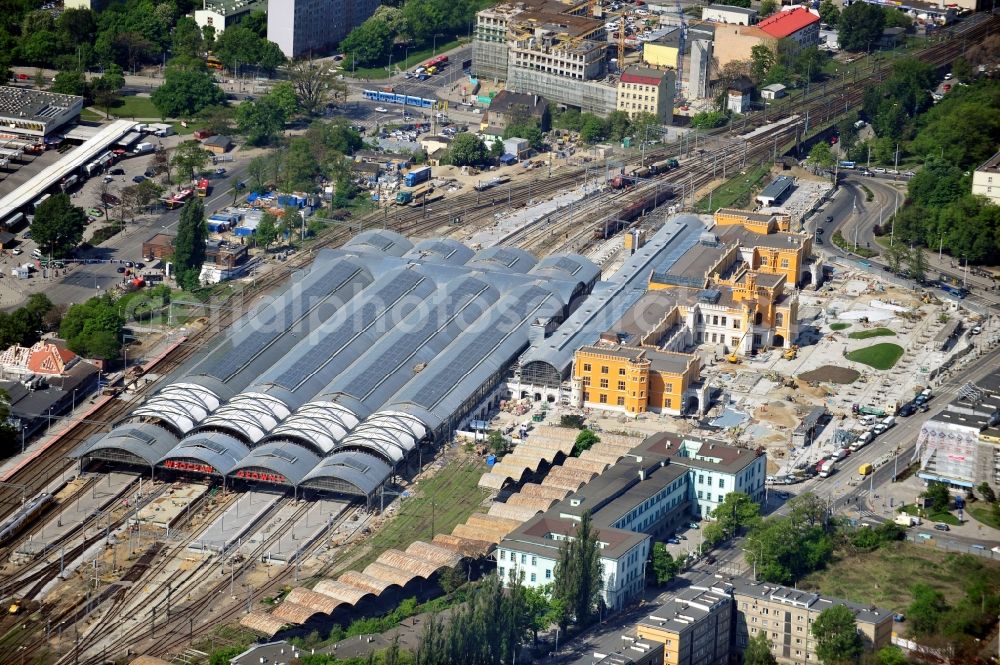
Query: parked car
x=941 y=526
x=117 y=171
x=139 y=178
x=16 y=251
x=381 y=109
x=120 y=269
x=907 y=409
x=149 y=173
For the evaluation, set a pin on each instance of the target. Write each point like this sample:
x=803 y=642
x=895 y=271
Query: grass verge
x=736 y=192
x=883 y=578
x=90 y=115
x=984 y=514
x=943 y=516
x=841 y=242
x=873 y=332
x=879 y=356
x=407 y=60
x=439 y=503
x=135 y=106
x=839 y=326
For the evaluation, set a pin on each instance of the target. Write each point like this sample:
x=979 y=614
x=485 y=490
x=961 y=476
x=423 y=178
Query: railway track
x=470 y=208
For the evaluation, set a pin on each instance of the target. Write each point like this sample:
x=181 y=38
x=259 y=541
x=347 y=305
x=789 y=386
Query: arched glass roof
x=568 y=266
x=391 y=435
x=365 y=472
x=379 y=240
x=251 y=415
x=289 y=461
x=184 y=404
x=220 y=451
x=322 y=424
x=441 y=250
x=498 y=257
x=145 y=441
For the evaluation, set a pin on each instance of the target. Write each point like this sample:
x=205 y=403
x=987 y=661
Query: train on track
x=623 y=180
x=24 y=516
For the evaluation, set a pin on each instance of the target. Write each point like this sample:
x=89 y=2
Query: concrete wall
x=734 y=42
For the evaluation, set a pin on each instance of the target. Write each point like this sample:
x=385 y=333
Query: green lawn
x=860 y=250
x=839 y=326
x=884 y=577
x=982 y=512
x=403 y=59
x=879 y=356
x=135 y=106
x=873 y=332
x=91 y=116
x=736 y=192
x=455 y=494
x=943 y=516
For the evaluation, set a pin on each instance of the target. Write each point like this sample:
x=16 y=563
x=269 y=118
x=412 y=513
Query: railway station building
x=381 y=350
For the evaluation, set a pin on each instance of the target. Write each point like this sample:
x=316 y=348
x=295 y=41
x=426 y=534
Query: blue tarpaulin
x=507 y=159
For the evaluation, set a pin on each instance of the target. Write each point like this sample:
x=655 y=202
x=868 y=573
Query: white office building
x=311 y=28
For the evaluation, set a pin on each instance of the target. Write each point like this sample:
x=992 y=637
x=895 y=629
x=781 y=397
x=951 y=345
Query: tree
x=188 y=39
x=665 y=567
x=58 y=226
x=917 y=263
x=259 y=171
x=860 y=26
x=108 y=87
x=709 y=119
x=282 y=94
x=316 y=87
x=530 y=131
x=368 y=42
x=767 y=7
x=821 y=155
x=783 y=549
x=93 y=328
x=961 y=69
x=578 y=577
x=592 y=128
x=895 y=255
x=829 y=13
x=184 y=93
x=736 y=512
x=758 y=651
x=584 y=441
x=266 y=231
x=189 y=158
x=739 y=3
x=925 y=610
x=298 y=168
x=498 y=444
x=468 y=150
x=938 y=496
x=762 y=59
x=70 y=83
x=837 y=637
x=189 y=245
x=260 y=121
x=619 y=125
x=646 y=126
x=889 y=655
x=985 y=491
x=496 y=149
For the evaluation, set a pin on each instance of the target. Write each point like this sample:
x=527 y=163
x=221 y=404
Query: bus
x=213 y=62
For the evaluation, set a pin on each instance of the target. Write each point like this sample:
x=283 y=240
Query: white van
x=37 y=253
x=867 y=420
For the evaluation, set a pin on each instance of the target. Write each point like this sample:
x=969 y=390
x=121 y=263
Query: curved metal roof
x=260 y=339
x=252 y=414
x=573 y=267
x=366 y=472
x=390 y=435
x=609 y=301
x=440 y=390
x=322 y=424
x=379 y=240
x=287 y=460
x=441 y=250
x=184 y=404
x=355 y=328
x=414 y=342
x=498 y=257
x=220 y=451
x=146 y=441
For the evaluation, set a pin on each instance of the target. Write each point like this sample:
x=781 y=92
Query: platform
x=321 y=516
x=65 y=517
x=236 y=522
x=165 y=510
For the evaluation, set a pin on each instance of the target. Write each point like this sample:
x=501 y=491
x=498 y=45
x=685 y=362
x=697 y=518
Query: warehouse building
x=381 y=349
x=36 y=113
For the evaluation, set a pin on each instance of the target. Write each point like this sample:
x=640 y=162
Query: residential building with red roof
x=647 y=90
x=798 y=26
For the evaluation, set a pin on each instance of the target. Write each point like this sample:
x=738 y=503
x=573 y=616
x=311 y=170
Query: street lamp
x=434 y=45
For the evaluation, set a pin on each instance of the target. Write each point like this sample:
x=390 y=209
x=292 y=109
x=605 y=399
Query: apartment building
x=508 y=108
x=308 y=28
x=222 y=14
x=787 y=615
x=665 y=51
x=694 y=627
x=986 y=179
x=647 y=90
x=645 y=497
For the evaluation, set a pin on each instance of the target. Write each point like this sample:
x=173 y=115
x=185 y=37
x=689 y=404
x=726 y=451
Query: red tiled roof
x=783 y=24
x=640 y=79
